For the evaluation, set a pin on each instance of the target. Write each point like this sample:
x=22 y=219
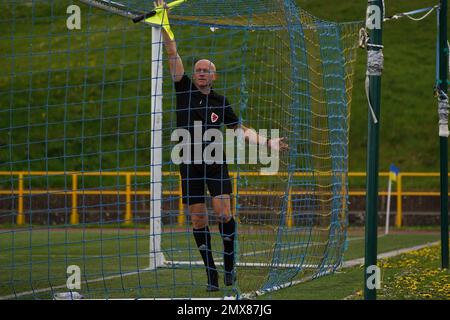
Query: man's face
x=204 y=74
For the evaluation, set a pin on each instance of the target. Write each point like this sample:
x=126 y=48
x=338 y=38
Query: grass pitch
x=34 y=265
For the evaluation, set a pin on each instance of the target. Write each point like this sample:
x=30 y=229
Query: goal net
x=86 y=175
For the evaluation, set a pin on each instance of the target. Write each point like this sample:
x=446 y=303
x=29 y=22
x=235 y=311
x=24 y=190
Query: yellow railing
x=74 y=217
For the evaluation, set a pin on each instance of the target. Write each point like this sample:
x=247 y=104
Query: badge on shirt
x=214 y=117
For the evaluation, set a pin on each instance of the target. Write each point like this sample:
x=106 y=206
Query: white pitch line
x=27 y=293
x=254 y=253
x=348 y=264
x=245 y=264
x=390 y=254
x=87 y=256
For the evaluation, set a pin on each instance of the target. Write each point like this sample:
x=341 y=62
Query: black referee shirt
x=211 y=109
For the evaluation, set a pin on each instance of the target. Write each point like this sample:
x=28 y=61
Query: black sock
x=227 y=231
x=203 y=239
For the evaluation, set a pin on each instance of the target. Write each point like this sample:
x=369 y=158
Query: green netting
x=75 y=147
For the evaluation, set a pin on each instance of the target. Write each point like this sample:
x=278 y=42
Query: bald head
x=205 y=65
x=204 y=75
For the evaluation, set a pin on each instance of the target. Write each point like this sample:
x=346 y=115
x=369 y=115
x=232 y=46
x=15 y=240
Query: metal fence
x=74 y=192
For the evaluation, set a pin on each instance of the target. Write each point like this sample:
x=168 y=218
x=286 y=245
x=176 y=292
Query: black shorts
x=194 y=177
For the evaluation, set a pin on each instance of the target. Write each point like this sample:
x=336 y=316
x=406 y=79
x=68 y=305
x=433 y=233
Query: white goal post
x=156 y=255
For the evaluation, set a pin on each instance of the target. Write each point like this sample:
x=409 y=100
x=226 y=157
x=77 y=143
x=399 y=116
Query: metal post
x=375 y=13
x=20 y=215
x=399 y=217
x=74 y=217
x=128 y=213
x=156 y=255
x=443 y=85
x=290 y=219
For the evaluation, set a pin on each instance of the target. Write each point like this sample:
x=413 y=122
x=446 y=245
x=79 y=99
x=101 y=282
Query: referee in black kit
x=197 y=101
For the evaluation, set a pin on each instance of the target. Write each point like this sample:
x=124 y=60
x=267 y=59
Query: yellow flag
x=393 y=176
x=161 y=18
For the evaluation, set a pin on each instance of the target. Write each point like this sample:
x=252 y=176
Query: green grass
x=348 y=283
x=108 y=92
x=408 y=132
x=415 y=275
x=410 y=276
x=117 y=85
x=33 y=260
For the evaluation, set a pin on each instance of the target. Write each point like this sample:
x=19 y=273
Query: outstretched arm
x=251 y=136
x=175 y=63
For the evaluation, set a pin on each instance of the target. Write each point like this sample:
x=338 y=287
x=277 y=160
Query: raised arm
x=175 y=63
